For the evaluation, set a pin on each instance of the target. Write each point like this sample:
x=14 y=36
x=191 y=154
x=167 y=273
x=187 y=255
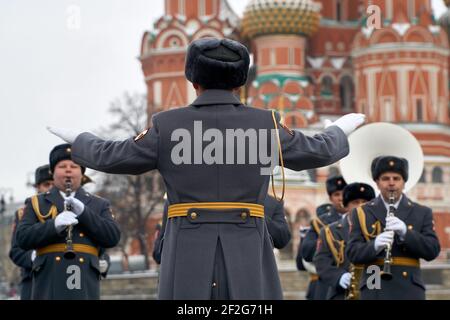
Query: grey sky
x=54 y=73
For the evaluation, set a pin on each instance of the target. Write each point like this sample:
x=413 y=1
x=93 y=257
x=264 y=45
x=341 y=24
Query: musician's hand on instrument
x=67 y=135
x=383 y=240
x=345 y=280
x=77 y=205
x=396 y=225
x=65 y=219
x=348 y=123
x=103 y=264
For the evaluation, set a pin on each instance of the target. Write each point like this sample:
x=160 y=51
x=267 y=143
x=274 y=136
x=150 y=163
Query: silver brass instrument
x=386 y=274
x=381 y=139
x=69 y=253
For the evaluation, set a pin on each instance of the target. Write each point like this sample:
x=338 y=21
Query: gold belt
x=400 y=261
x=313 y=277
x=61 y=248
x=182 y=209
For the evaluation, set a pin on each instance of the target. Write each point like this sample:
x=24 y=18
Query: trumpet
x=69 y=253
x=386 y=274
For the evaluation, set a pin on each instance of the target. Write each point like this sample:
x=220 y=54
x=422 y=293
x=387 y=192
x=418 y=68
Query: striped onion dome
x=266 y=17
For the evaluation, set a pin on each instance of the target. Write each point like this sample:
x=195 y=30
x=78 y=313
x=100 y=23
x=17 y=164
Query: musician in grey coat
x=43 y=181
x=335 y=187
x=332 y=265
x=43 y=228
x=410 y=233
x=216 y=243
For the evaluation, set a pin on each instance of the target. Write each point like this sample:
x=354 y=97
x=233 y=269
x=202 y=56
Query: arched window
x=347 y=92
x=327 y=86
x=313 y=175
x=437 y=175
x=338 y=10
x=419 y=110
x=302 y=216
x=333 y=172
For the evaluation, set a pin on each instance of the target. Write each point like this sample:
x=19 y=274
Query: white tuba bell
x=381 y=139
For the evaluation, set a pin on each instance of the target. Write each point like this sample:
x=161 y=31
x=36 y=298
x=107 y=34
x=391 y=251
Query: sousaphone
x=381 y=139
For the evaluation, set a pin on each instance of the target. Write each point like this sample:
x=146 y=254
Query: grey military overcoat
x=219 y=255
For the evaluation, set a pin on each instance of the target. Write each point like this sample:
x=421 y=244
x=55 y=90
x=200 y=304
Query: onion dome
x=267 y=17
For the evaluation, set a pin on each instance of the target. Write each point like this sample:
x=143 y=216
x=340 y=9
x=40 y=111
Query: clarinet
x=69 y=253
x=386 y=274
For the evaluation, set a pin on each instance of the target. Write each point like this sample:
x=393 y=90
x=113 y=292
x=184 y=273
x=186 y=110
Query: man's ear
x=196 y=86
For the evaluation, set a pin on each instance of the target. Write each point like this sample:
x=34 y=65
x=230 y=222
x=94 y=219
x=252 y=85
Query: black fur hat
x=335 y=184
x=60 y=153
x=355 y=191
x=42 y=174
x=389 y=164
x=217 y=63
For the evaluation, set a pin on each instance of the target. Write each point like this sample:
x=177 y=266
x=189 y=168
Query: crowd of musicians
x=220 y=227
x=347 y=244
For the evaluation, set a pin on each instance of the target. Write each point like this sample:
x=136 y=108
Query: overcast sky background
x=53 y=73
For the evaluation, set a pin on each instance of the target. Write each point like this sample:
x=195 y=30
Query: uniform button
x=214 y=284
x=244 y=215
x=81 y=234
x=81 y=260
x=404 y=274
x=194 y=215
x=410 y=227
x=58 y=259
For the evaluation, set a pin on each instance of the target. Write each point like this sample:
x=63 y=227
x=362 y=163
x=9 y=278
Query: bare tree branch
x=134 y=199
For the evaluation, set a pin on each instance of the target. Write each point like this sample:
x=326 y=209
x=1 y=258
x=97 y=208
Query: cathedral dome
x=266 y=17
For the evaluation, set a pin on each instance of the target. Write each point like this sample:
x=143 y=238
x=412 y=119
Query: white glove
x=396 y=225
x=304 y=231
x=65 y=219
x=67 y=135
x=383 y=240
x=77 y=205
x=348 y=123
x=345 y=280
x=103 y=265
x=309 y=266
x=33 y=255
